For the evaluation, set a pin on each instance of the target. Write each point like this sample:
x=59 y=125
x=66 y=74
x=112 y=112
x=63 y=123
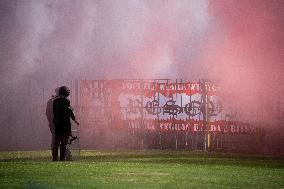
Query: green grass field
x=140 y=169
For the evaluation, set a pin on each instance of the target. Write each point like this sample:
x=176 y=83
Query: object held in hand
x=72 y=138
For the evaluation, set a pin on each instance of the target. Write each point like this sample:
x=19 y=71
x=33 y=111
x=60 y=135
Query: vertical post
x=76 y=95
x=207 y=117
x=43 y=103
x=142 y=116
x=176 y=141
x=190 y=118
x=10 y=131
x=160 y=139
x=160 y=135
x=186 y=144
x=30 y=110
x=42 y=117
x=205 y=112
x=78 y=112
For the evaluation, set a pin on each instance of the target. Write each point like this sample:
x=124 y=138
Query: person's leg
x=64 y=141
x=52 y=131
x=55 y=147
x=52 y=140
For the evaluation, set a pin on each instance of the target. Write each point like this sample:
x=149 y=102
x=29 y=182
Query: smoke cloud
x=238 y=44
x=113 y=39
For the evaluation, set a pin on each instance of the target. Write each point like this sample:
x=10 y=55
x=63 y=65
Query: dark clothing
x=49 y=112
x=49 y=116
x=62 y=141
x=62 y=113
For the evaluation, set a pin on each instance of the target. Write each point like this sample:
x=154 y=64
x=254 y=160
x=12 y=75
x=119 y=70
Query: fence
x=162 y=113
x=138 y=114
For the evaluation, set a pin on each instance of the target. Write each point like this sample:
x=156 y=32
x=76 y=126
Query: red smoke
x=244 y=52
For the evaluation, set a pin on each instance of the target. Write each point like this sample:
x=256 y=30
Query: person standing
x=62 y=112
x=49 y=114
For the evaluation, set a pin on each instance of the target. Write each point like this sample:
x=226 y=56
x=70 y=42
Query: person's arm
x=49 y=110
x=72 y=114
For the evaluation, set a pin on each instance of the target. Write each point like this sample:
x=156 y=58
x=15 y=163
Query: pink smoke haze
x=239 y=44
x=245 y=53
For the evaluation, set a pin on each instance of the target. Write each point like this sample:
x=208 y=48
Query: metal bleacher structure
x=143 y=114
x=162 y=114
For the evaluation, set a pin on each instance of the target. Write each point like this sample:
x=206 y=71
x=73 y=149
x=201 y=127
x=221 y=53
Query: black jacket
x=62 y=113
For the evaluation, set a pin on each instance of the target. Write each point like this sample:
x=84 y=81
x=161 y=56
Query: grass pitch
x=140 y=169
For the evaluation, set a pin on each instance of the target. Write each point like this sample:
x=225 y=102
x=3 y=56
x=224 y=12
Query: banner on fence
x=157 y=105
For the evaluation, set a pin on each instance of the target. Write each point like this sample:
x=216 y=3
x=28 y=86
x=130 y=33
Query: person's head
x=64 y=91
x=57 y=91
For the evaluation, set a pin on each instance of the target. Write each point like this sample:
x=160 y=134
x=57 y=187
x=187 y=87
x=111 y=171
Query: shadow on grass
x=169 y=157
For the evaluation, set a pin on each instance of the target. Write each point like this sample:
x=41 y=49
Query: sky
x=237 y=43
